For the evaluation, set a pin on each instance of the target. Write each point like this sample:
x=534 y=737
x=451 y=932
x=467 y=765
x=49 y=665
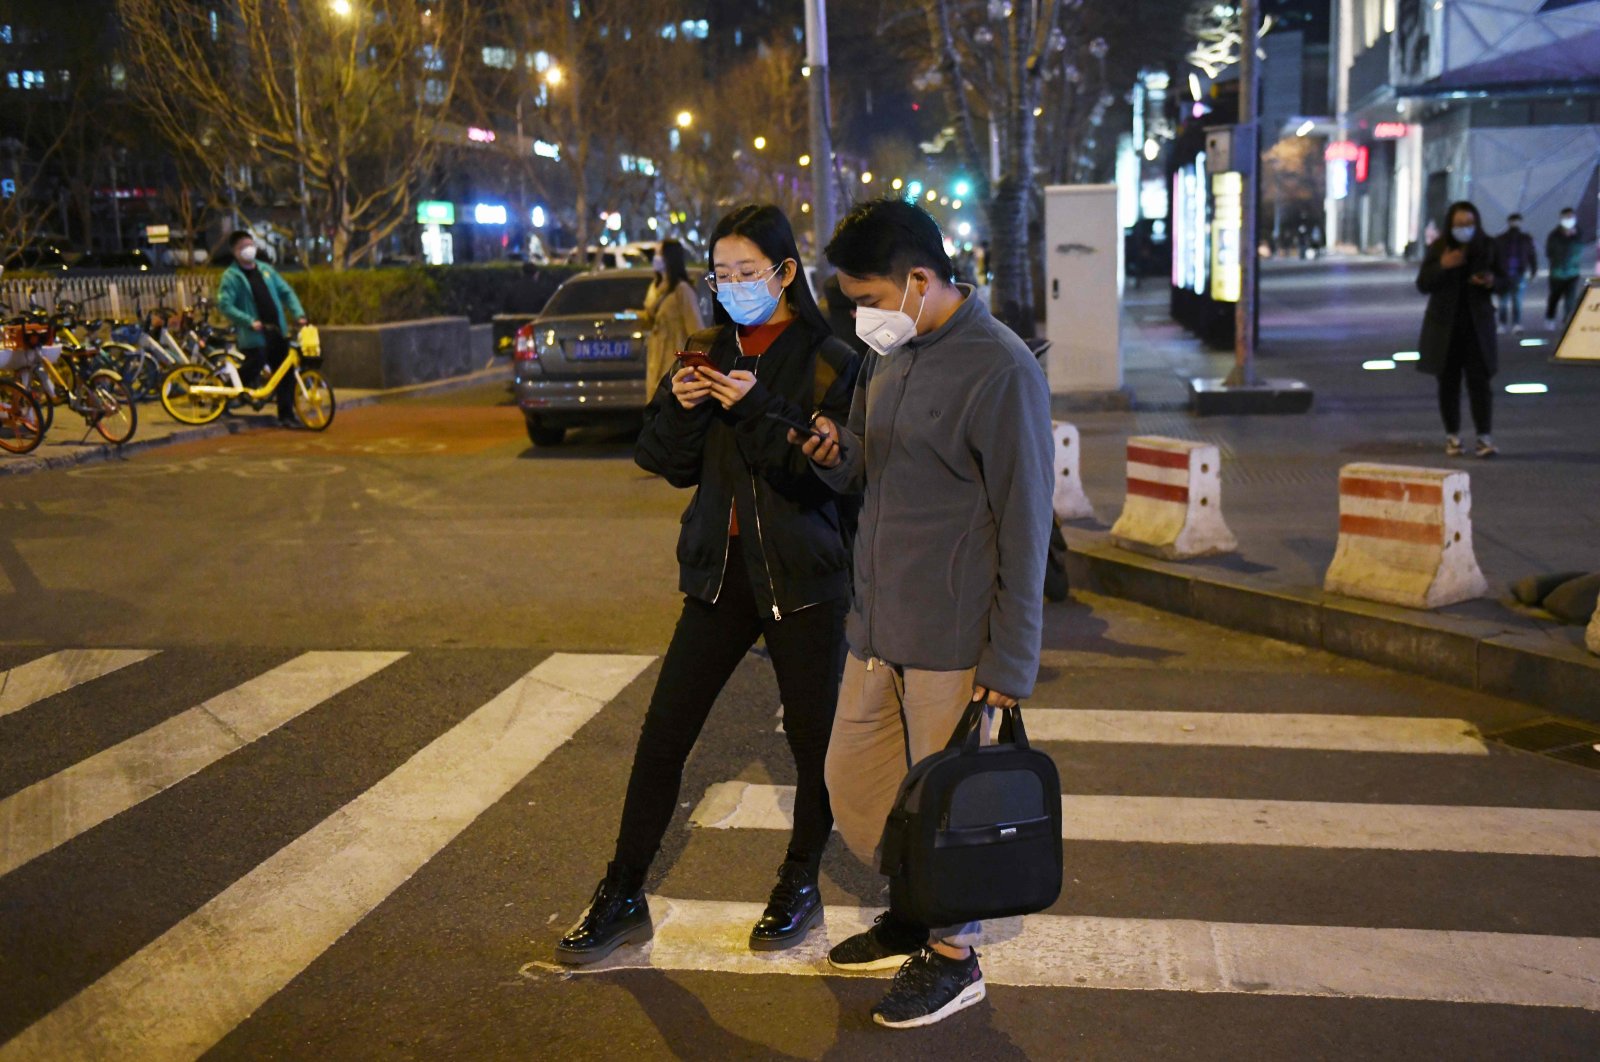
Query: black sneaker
x=930 y=988
x=617 y=915
x=885 y=946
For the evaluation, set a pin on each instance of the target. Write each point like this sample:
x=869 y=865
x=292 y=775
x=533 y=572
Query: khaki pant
x=889 y=718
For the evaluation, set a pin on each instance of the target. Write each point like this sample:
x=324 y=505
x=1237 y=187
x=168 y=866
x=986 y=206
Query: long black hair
x=677 y=271
x=768 y=228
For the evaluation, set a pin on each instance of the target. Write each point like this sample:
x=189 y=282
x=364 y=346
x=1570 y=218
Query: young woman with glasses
x=760 y=554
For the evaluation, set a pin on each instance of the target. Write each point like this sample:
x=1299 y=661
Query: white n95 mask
x=887 y=330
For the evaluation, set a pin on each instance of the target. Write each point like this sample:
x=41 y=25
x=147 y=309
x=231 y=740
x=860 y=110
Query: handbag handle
x=969 y=728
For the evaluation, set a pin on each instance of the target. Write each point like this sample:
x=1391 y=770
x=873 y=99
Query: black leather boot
x=617 y=915
x=795 y=905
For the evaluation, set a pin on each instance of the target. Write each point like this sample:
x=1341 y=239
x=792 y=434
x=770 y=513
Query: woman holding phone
x=671 y=312
x=1459 y=273
x=760 y=555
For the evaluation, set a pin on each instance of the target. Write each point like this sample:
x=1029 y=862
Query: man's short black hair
x=238 y=236
x=888 y=238
x=1568 y=210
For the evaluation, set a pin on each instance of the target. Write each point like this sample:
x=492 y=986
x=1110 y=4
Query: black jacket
x=1514 y=245
x=1450 y=297
x=790 y=529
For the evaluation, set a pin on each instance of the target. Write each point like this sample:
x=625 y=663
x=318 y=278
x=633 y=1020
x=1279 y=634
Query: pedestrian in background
x=671 y=311
x=760 y=555
x=260 y=304
x=1564 y=248
x=1459 y=271
x=949 y=437
x=1519 y=262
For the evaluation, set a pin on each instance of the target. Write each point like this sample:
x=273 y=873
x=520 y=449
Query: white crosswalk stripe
x=30 y=683
x=1198 y=820
x=56 y=809
x=1273 y=730
x=1059 y=951
x=186 y=990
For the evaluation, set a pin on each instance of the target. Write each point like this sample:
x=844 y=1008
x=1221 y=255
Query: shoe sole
x=585 y=956
x=888 y=962
x=788 y=940
x=970 y=996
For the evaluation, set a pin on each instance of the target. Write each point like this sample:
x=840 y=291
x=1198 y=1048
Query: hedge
x=394 y=293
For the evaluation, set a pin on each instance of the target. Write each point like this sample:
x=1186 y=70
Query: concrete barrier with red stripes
x=1405 y=537
x=1592 y=638
x=1070 y=502
x=1174 y=504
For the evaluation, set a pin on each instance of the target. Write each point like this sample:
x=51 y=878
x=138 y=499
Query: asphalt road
x=358 y=763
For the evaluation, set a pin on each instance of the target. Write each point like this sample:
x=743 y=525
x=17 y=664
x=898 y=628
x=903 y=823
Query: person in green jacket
x=260 y=304
x=1564 y=248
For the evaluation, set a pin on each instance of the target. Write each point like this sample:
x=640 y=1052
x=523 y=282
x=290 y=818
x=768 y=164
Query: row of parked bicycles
x=101 y=370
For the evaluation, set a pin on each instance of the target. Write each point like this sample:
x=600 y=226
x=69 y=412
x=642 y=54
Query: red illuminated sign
x=1361 y=164
x=1390 y=130
x=1340 y=151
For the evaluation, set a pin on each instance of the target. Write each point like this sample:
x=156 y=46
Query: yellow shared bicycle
x=199 y=394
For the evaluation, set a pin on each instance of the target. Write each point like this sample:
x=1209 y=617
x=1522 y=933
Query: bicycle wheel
x=32 y=380
x=137 y=368
x=313 y=400
x=117 y=418
x=180 y=401
x=21 y=423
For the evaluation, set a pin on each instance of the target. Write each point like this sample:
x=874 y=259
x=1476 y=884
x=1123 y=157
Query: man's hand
x=823 y=447
x=255 y=326
x=689 y=388
x=1484 y=279
x=729 y=389
x=1453 y=258
x=301 y=321
x=993 y=698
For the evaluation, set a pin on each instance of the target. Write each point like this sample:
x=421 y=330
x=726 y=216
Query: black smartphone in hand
x=799 y=428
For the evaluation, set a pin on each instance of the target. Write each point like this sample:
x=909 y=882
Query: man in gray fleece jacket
x=949 y=442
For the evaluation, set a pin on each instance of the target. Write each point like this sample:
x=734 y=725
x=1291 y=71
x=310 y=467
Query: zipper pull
x=775 y=613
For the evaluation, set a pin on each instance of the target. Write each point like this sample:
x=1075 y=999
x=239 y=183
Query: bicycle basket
x=310 y=345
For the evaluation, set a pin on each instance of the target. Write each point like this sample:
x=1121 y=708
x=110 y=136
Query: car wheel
x=540 y=435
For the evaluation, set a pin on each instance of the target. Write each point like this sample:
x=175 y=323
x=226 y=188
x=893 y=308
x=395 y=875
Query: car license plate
x=601 y=349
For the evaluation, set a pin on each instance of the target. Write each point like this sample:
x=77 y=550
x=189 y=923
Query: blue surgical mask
x=748 y=302
x=1463 y=233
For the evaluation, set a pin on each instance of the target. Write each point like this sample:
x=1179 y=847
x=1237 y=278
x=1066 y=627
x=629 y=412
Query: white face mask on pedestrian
x=247 y=253
x=888 y=330
x=1569 y=223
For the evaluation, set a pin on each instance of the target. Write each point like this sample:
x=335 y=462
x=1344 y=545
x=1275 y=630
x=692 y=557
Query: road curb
x=1521 y=664
x=17 y=466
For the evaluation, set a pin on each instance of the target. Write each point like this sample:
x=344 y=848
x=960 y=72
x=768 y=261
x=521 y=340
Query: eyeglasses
x=744 y=276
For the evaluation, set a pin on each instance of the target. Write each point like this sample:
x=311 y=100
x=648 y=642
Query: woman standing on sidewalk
x=1459 y=274
x=761 y=555
x=671 y=311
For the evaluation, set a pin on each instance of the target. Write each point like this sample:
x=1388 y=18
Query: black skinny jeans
x=1464 y=361
x=707 y=645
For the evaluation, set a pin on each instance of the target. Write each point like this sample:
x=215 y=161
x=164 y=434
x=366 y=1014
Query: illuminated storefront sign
x=1191 y=235
x=1390 y=130
x=435 y=212
x=489 y=214
x=480 y=136
x=1227 y=224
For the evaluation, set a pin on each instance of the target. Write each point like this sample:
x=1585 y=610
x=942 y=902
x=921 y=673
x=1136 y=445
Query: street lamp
x=685 y=119
x=805 y=160
x=553 y=76
x=341 y=8
x=866 y=178
x=760 y=143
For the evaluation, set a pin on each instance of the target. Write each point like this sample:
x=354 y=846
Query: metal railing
x=123 y=294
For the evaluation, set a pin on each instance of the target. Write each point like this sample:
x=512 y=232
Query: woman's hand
x=1453 y=258
x=731 y=388
x=690 y=388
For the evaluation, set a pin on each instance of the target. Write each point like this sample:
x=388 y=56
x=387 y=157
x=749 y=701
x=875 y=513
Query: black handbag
x=975 y=832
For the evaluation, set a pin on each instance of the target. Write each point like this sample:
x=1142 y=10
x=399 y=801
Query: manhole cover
x=1547 y=736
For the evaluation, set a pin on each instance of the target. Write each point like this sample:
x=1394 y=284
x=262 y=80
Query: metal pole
x=1247 y=154
x=822 y=183
x=300 y=153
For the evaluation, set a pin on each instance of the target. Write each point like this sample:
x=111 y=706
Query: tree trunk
x=1010 y=297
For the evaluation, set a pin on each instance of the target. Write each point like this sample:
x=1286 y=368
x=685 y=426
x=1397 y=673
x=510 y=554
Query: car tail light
x=526 y=349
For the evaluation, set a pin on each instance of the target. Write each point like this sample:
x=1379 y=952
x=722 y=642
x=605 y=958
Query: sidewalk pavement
x=1536 y=507
x=66 y=443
